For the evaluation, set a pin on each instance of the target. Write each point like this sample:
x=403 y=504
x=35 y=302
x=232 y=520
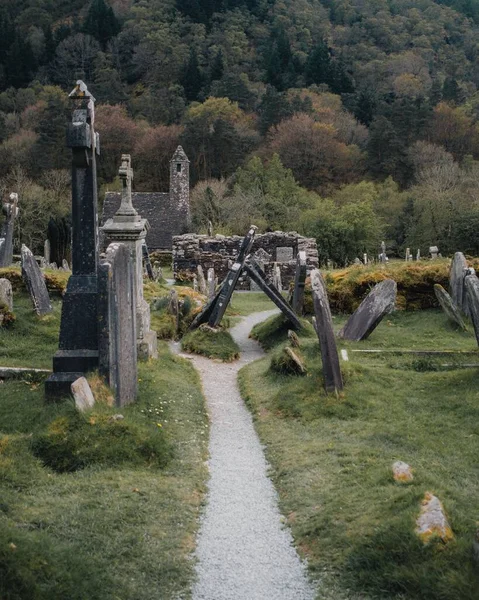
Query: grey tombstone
x=82 y=394
x=418 y=255
x=157 y=271
x=382 y=256
x=78 y=344
x=448 y=306
x=210 y=229
x=278 y=284
x=10 y=211
x=457 y=274
x=129 y=228
x=35 y=282
x=211 y=283
x=201 y=281
x=323 y=324
x=117 y=324
x=357 y=261
x=434 y=251
x=6 y=294
x=284 y=254
x=408 y=254
x=195 y=283
x=65 y=265
x=472 y=290
x=147 y=261
x=379 y=302
x=365 y=258
x=174 y=307
x=299 y=282
x=47 y=251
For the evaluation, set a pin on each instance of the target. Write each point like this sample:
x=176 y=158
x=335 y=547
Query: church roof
x=158 y=208
x=179 y=155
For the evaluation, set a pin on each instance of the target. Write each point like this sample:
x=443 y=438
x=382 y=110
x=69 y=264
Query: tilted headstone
x=82 y=394
x=201 y=281
x=47 y=251
x=117 y=324
x=457 y=274
x=129 y=228
x=472 y=291
x=323 y=324
x=448 y=306
x=78 y=345
x=211 y=283
x=379 y=302
x=6 y=294
x=299 y=282
x=10 y=211
x=35 y=282
x=284 y=254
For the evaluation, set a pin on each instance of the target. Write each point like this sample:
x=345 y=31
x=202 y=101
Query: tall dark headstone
x=117 y=323
x=299 y=282
x=78 y=345
x=10 y=212
x=456 y=282
x=379 y=302
x=333 y=381
x=35 y=283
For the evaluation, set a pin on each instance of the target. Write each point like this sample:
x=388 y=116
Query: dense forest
x=349 y=120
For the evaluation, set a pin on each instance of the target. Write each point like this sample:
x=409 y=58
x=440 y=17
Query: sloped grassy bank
x=95 y=506
x=331 y=460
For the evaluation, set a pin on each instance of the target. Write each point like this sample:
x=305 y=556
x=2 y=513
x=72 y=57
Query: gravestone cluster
x=105 y=322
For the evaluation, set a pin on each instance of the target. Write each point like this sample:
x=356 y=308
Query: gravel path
x=243 y=551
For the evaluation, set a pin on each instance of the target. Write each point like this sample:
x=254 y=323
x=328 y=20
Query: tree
x=152 y=153
x=101 y=22
x=192 y=79
x=49 y=151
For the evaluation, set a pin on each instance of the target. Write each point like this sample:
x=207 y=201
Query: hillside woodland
x=349 y=121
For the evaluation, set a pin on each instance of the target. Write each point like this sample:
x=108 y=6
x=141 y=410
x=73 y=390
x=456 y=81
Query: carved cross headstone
x=10 y=211
x=35 y=283
x=379 y=302
x=323 y=324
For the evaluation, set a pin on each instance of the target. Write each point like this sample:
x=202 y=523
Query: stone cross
x=10 y=210
x=125 y=173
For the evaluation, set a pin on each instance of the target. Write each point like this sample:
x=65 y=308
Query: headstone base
x=68 y=366
x=59 y=385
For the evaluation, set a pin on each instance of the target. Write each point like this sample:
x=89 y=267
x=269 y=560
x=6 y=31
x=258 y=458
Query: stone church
x=168 y=213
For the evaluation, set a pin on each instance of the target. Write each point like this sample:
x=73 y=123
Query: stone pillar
x=180 y=185
x=78 y=346
x=127 y=227
x=10 y=210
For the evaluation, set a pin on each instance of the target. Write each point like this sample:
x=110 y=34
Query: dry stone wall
x=279 y=247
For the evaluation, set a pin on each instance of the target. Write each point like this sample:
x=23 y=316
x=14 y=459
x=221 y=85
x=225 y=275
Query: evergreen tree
x=318 y=67
x=49 y=150
x=101 y=22
x=450 y=90
x=365 y=107
x=280 y=66
x=218 y=67
x=274 y=107
x=192 y=79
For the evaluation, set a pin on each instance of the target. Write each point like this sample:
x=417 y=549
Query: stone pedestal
x=127 y=227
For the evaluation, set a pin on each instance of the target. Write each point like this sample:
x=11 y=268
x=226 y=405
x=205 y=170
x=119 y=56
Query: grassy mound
x=75 y=441
x=415 y=284
x=212 y=343
x=274 y=331
x=56 y=280
x=189 y=303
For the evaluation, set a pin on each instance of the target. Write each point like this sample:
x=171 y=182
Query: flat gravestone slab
x=35 y=282
x=472 y=291
x=448 y=306
x=378 y=303
x=284 y=254
x=6 y=294
x=456 y=282
x=333 y=380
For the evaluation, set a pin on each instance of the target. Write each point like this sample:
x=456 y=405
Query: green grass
x=121 y=531
x=211 y=343
x=331 y=462
x=274 y=330
x=245 y=303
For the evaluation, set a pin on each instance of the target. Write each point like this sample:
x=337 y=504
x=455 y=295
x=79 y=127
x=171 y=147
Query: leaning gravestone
x=448 y=306
x=6 y=294
x=472 y=290
x=456 y=282
x=379 y=302
x=323 y=323
x=35 y=282
x=299 y=282
x=211 y=283
x=117 y=324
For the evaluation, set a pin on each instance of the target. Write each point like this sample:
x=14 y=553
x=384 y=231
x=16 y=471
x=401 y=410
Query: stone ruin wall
x=191 y=250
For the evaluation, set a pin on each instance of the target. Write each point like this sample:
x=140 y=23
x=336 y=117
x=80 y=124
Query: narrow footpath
x=243 y=552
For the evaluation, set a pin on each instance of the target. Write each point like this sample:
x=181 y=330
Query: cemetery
x=162 y=437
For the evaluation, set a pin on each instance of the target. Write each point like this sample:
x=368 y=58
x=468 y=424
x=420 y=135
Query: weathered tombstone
x=117 y=324
x=10 y=211
x=6 y=294
x=448 y=306
x=379 y=302
x=210 y=229
x=472 y=290
x=65 y=265
x=78 y=345
x=127 y=227
x=284 y=254
x=323 y=324
x=201 y=281
x=157 y=271
x=35 y=282
x=357 y=261
x=299 y=282
x=43 y=263
x=365 y=258
x=457 y=274
x=174 y=308
x=211 y=283
x=418 y=255
x=434 y=251
x=277 y=277
x=146 y=260
x=82 y=394
x=408 y=254
x=47 y=251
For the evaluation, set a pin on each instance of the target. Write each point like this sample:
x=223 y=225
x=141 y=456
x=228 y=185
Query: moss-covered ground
x=212 y=343
x=331 y=458
x=77 y=519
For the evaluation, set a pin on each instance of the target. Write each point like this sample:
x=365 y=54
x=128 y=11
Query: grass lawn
x=331 y=460
x=118 y=531
x=211 y=343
